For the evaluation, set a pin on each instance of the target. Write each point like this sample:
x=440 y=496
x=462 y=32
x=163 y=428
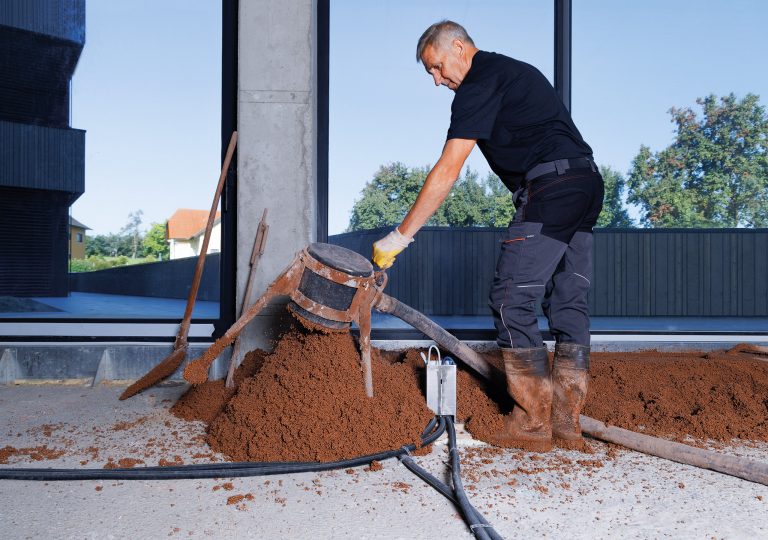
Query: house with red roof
x=185 y=230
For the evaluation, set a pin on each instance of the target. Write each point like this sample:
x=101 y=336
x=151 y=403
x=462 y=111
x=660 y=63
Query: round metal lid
x=342 y=259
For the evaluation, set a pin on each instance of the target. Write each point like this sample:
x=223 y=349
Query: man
x=509 y=109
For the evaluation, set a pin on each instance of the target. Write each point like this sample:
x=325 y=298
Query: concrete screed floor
x=630 y=496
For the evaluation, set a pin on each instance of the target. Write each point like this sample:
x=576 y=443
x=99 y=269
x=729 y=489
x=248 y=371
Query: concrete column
x=277 y=118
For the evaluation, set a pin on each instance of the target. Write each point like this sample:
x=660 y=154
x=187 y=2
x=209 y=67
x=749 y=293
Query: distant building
x=77 y=238
x=185 y=230
x=42 y=159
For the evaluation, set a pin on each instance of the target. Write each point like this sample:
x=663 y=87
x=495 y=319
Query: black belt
x=559 y=166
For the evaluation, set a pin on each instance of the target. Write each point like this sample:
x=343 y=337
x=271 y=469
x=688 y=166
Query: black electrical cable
x=446 y=492
x=215 y=470
x=477 y=527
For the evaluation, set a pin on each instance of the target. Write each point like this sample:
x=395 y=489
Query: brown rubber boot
x=528 y=382
x=570 y=376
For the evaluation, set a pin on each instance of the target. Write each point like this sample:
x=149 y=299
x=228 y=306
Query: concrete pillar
x=277 y=155
x=10 y=370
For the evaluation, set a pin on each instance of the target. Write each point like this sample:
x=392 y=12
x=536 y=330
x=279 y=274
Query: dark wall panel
x=637 y=272
x=42 y=158
x=64 y=19
x=167 y=279
x=33 y=242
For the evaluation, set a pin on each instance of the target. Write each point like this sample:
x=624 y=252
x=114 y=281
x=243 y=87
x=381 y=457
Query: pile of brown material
x=308 y=403
x=204 y=402
x=713 y=396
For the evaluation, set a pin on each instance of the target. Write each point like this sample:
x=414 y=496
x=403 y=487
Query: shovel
x=172 y=362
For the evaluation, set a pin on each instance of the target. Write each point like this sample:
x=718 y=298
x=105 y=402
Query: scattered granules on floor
x=375 y=466
x=122 y=426
x=308 y=403
x=176 y=460
x=128 y=463
x=401 y=486
x=234 y=499
x=35 y=453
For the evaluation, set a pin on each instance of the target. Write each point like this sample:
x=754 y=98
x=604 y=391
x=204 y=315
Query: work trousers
x=546 y=256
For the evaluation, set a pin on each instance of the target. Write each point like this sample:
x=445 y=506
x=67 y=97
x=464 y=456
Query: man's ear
x=458 y=46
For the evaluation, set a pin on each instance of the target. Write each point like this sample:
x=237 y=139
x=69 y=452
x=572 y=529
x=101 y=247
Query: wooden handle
x=181 y=338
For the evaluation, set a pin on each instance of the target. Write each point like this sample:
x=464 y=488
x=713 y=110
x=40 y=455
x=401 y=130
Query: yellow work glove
x=386 y=249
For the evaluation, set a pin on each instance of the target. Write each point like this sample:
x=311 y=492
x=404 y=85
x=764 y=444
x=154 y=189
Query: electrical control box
x=441 y=386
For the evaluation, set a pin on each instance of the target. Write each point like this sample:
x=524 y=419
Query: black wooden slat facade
x=42 y=160
x=637 y=272
x=46 y=158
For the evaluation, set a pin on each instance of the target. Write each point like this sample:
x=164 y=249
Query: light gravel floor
x=606 y=494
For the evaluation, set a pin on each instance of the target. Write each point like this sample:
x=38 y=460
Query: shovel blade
x=164 y=369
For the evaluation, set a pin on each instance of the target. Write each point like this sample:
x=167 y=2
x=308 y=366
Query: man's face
x=448 y=65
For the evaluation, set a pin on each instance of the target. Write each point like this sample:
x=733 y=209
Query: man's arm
x=436 y=188
x=438 y=185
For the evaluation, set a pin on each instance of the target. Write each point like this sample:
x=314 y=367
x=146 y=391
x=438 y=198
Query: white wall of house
x=190 y=247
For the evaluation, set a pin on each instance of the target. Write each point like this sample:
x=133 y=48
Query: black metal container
x=326 y=292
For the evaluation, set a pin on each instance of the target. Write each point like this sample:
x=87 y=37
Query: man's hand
x=389 y=247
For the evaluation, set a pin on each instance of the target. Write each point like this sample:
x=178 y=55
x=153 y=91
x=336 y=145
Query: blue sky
x=147 y=88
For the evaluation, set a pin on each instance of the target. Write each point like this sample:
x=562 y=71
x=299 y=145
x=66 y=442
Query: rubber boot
x=570 y=376
x=528 y=382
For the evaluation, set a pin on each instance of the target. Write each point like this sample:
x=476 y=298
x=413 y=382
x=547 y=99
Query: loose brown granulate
x=35 y=453
x=170 y=463
x=308 y=403
x=714 y=396
x=707 y=396
x=234 y=499
x=205 y=401
x=375 y=466
x=123 y=463
x=123 y=426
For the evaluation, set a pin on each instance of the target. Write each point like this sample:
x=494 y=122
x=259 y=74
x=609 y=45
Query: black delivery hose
x=473 y=517
x=216 y=470
x=435 y=428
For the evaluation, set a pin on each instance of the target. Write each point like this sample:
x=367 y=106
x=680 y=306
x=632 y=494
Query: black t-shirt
x=515 y=115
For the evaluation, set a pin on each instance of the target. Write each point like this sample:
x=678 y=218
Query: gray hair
x=439 y=34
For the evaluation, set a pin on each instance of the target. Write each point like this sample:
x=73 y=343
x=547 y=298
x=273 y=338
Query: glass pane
x=116 y=156
x=639 y=68
x=384 y=108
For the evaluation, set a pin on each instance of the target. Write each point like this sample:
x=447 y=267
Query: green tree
x=108 y=245
x=714 y=174
x=131 y=229
x=154 y=243
x=390 y=194
x=466 y=203
x=387 y=197
x=614 y=212
x=499 y=208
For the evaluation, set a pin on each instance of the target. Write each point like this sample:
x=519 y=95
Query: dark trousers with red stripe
x=546 y=256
